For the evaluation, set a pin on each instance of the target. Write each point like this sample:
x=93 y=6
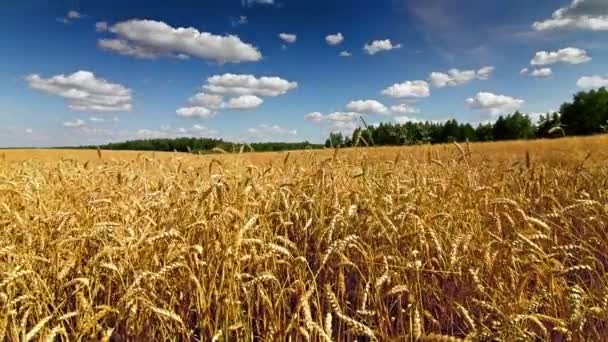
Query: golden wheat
x=498 y=241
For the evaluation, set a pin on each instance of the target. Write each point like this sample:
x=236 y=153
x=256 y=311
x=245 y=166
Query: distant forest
x=203 y=145
x=587 y=114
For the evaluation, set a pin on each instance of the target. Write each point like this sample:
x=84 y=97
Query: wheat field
x=497 y=241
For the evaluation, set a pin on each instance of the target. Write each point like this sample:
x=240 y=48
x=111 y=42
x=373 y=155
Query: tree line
x=202 y=145
x=587 y=114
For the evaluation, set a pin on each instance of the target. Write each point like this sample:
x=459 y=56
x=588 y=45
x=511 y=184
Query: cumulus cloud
x=542 y=73
x=77 y=123
x=377 y=46
x=367 y=106
x=592 y=82
x=345 y=54
x=101 y=26
x=249 y=3
x=245 y=90
x=168 y=132
x=70 y=16
x=344 y=122
x=195 y=112
x=244 y=102
x=581 y=14
x=404 y=108
x=152 y=39
x=203 y=99
x=102 y=120
x=288 y=37
x=539 y=73
x=485 y=72
x=231 y=84
x=411 y=89
x=334 y=39
x=97 y=135
x=405 y=119
x=456 y=77
x=84 y=91
x=342 y=116
x=334 y=117
x=271 y=132
x=241 y=20
x=314 y=117
x=494 y=104
x=568 y=55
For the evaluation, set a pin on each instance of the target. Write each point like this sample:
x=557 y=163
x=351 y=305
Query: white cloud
x=72 y=14
x=246 y=90
x=270 y=132
x=456 y=77
x=380 y=45
x=345 y=54
x=242 y=20
x=581 y=14
x=248 y=85
x=152 y=39
x=412 y=89
x=199 y=128
x=288 y=37
x=244 y=102
x=29 y=131
x=539 y=73
x=591 y=82
x=101 y=26
x=250 y=3
x=207 y=100
x=332 y=117
x=367 y=106
x=84 y=91
x=102 y=120
x=344 y=122
x=342 y=116
x=145 y=133
x=96 y=135
x=195 y=112
x=334 y=39
x=404 y=108
x=314 y=117
x=542 y=73
x=78 y=123
x=346 y=127
x=485 y=72
x=568 y=55
x=405 y=119
x=168 y=132
x=494 y=104
x=125 y=48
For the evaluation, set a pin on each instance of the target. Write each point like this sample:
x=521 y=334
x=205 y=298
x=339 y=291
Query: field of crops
x=504 y=241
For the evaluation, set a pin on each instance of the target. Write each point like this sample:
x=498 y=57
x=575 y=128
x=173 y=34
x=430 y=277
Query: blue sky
x=88 y=71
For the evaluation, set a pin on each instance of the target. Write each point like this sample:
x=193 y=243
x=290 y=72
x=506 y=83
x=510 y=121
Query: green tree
x=586 y=114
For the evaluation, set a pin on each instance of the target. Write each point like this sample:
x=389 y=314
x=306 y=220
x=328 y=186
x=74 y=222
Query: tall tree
x=586 y=113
